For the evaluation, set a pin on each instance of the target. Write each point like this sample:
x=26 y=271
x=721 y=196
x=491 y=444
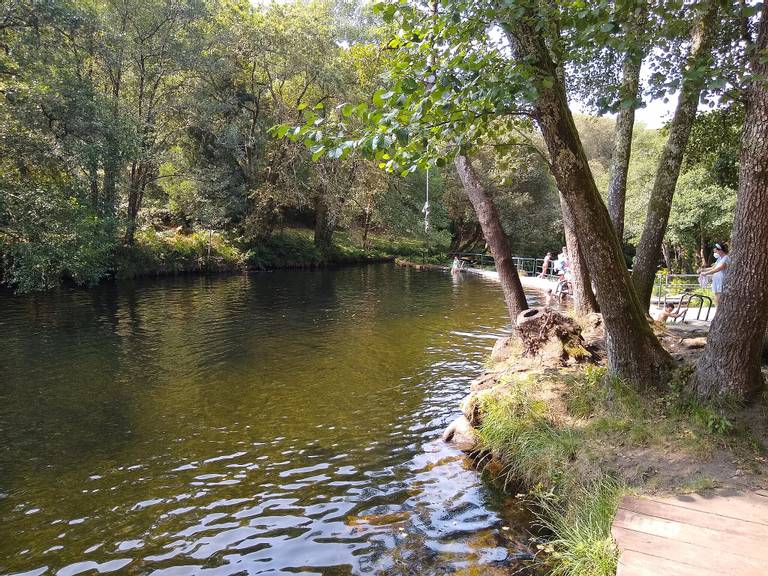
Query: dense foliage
x=124 y=119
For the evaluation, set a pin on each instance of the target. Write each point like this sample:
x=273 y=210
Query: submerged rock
x=461 y=434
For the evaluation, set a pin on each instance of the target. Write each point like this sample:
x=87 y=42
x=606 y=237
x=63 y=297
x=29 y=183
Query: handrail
x=528 y=264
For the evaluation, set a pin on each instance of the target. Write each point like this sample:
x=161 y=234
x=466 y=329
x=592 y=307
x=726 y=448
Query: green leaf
x=318 y=152
x=282 y=130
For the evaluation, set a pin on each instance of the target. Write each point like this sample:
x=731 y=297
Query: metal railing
x=684 y=291
x=531 y=266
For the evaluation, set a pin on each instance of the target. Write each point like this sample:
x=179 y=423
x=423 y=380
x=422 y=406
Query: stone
x=461 y=435
x=505 y=348
x=472 y=403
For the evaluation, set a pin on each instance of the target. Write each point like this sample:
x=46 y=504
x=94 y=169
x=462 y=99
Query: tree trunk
x=494 y=234
x=625 y=122
x=704 y=251
x=134 y=185
x=366 y=227
x=634 y=352
x=324 y=224
x=94 y=189
x=583 y=297
x=660 y=202
x=730 y=364
x=476 y=235
x=669 y=259
x=113 y=168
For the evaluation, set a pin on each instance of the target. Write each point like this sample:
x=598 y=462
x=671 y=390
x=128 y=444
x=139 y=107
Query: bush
x=154 y=253
x=63 y=239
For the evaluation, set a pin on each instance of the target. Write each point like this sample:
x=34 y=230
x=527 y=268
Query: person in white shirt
x=718 y=270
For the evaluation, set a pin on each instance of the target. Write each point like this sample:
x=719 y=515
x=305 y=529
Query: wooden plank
x=694 y=517
x=690 y=554
x=763 y=493
x=743 y=507
x=633 y=563
x=678 y=531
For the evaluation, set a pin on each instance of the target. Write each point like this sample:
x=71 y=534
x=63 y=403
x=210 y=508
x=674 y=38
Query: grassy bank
x=158 y=254
x=574 y=441
x=295 y=249
x=154 y=253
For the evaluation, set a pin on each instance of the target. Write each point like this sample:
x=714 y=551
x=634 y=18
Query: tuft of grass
x=699 y=485
x=593 y=392
x=575 y=506
x=580 y=524
x=517 y=430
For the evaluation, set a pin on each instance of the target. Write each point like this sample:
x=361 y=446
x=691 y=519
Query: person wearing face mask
x=718 y=270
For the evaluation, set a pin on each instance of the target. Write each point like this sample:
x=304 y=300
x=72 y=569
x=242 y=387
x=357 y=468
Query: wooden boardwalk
x=724 y=533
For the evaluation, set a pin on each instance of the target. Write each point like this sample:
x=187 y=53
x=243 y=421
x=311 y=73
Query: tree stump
x=548 y=333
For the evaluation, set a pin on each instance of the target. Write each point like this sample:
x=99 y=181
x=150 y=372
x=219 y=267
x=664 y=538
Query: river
x=272 y=423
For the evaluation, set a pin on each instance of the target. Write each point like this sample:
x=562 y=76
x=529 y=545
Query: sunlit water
x=275 y=423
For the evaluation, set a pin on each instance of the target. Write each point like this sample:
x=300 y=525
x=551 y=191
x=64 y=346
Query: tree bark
x=324 y=224
x=625 y=122
x=660 y=202
x=730 y=364
x=482 y=202
x=634 y=352
x=584 y=300
x=669 y=259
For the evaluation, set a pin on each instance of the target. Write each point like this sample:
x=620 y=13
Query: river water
x=273 y=423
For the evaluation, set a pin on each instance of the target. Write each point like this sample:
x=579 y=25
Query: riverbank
x=160 y=254
x=572 y=441
x=167 y=253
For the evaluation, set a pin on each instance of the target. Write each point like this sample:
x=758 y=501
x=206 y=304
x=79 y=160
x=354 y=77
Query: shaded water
x=266 y=424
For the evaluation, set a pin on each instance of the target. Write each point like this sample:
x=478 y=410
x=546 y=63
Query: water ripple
x=266 y=424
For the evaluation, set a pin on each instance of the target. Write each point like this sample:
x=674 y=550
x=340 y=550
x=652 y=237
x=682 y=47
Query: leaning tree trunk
x=625 y=122
x=634 y=352
x=494 y=234
x=660 y=202
x=730 y=365
x=583 y=297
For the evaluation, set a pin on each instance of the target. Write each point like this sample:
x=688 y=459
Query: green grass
x=568 y=453
x=575 y=504
x=154 y=253
x=294 y=248
x=581 y=543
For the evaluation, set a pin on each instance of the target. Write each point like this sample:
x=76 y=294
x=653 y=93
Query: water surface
x=273 y=423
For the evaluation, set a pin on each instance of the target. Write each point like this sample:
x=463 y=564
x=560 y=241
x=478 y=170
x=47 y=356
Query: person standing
x=545 y=265
x=718 y=270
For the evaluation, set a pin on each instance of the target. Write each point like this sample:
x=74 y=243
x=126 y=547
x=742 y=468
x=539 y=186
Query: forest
x=136 y=137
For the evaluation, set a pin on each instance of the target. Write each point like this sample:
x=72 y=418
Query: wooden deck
x=724 y=533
